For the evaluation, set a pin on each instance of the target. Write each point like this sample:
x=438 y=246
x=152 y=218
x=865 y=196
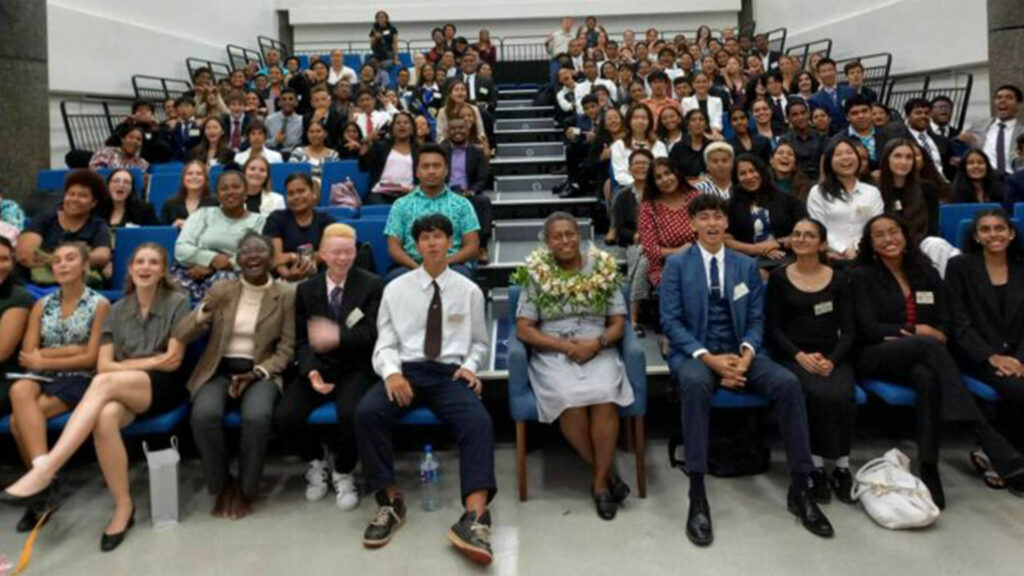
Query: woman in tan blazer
x=251 y=321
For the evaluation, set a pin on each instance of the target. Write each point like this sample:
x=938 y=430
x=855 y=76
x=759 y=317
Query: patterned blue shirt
x=417 y=204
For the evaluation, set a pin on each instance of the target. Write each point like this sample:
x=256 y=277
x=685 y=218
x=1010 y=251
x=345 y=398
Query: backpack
x=345 y=194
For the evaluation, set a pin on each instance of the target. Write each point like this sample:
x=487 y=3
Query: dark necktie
x=236 y=133
x=716 y=282
x=335 y=303
x=432 y=341
x=1001 y=149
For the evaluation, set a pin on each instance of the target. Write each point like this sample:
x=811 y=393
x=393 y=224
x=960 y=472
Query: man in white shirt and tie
x=432 y=340
x=996 y=136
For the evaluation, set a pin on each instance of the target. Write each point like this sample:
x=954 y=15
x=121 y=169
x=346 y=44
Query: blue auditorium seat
x=405 y=58
x=138 y=177
x=372 y=210
x=1018 y=211
x=950 y=216
x=980 y=389
x=162 y=187
x=372 y=230
x=890 y=393
x=337 y=172
x=160 y=424
x=51 y=179
x=129 y=238
x=353 y=61
x=167 y=167
x=964 y=231
x=280 y=172
x=339 y=213
x=328 y=414
x=55 y=424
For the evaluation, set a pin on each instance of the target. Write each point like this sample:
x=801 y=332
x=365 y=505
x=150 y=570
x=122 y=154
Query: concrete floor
x=556 y=532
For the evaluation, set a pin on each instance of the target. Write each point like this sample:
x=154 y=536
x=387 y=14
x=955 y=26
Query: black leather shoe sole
x=823 y=530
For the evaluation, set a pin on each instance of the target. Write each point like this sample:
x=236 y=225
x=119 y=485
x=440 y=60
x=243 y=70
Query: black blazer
x=334 y=123
x=376 y=158
x=243 y=142
x=476 y=167
x=945 y=149
x=486 y=91
x=882 y=311
x=784 y=210
x=977 y=319
x=759 y=146
x=362 y=291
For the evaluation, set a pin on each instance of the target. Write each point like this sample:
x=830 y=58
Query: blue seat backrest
x=405 y=58
x=964 y=231
x=51 y=179
x=162 y=187
x=172 y=167
x=372 y=230
x=1018 y=211
x=215 y=172
x=339 y=213
x=337 y=172
x=950 y=216
x=137 y=176
x=280 y=172
x=353 y=61
x=370 y=210
x=129 y=238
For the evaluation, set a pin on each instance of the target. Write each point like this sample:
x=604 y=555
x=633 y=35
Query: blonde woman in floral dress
x=572 y=314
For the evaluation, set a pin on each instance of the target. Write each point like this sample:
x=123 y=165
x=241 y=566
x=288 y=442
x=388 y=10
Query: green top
x=417 y=204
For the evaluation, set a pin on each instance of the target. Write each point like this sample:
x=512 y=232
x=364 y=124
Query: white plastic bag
x=891 y=495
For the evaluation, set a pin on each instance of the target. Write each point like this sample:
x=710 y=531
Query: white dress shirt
x=346 y=73
x=845 y=219
x=402 y=322
x=470 y=80
x=720 y=257
x=941 y=130
x=272 y=156
x=1008 y=144
x=620 y=159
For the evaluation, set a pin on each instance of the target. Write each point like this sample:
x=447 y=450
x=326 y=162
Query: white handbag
x=891 y=495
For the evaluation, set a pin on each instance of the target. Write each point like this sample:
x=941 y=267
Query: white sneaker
x=345 y=486
x=316 y=476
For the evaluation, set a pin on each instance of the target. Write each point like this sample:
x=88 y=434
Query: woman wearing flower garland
x=572 y=314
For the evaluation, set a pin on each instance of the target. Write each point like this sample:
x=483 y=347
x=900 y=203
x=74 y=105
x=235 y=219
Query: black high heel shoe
x=45 y=494
x=109 y=542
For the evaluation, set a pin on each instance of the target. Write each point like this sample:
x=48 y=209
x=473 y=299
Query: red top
x=911 y=309
x=662 y=227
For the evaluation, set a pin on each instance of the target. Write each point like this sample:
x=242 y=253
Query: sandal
x=983 y=466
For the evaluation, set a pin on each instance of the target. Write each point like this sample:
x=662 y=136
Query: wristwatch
x=602 y=341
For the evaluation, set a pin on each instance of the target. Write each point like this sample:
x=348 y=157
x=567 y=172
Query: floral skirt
x=197 y=288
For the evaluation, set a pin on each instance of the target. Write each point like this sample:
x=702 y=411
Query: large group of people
x=758 y=199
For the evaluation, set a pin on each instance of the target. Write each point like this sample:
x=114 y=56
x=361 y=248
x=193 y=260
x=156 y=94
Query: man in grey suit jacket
x=996 y=135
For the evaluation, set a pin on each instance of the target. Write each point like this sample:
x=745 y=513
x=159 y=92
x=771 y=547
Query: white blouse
x=620 y=160
x=845 y=219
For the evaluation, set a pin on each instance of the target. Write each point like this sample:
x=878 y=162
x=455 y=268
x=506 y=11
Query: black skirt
x=168 y=392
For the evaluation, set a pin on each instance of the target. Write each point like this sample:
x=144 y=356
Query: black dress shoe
x=698 y=523
x=606 y=505
x=819 y=488
x=802 y=506
x=111 y=541
x=618 y=489
x=842 y=485
x=571 y=191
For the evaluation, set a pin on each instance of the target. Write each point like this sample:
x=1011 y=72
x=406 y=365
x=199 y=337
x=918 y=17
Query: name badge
x=863 y=211
x=740 y=291
x=193 y=133
x=897 y=206
x=456 y=318
x=483 y=90
x=353 y=318
x=925 y=297
x=823 y=308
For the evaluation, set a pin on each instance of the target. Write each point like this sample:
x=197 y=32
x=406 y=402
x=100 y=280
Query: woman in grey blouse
x=137 y=376
x=575 y=369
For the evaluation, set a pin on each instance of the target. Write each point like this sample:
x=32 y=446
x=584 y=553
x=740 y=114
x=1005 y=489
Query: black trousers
x=482 y=207
x=927 y=365
x=1011 y=409
x=831 y=408
x=300 y=399
x=453 y=402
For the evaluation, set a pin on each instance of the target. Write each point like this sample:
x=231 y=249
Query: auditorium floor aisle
x=556 y=532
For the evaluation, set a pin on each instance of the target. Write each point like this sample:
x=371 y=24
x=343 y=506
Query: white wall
x=320 y=24
x=96 y=45
x=922 y=35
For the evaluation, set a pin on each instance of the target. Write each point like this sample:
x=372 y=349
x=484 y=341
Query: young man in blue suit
x=831 y=96
x=712 y=304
